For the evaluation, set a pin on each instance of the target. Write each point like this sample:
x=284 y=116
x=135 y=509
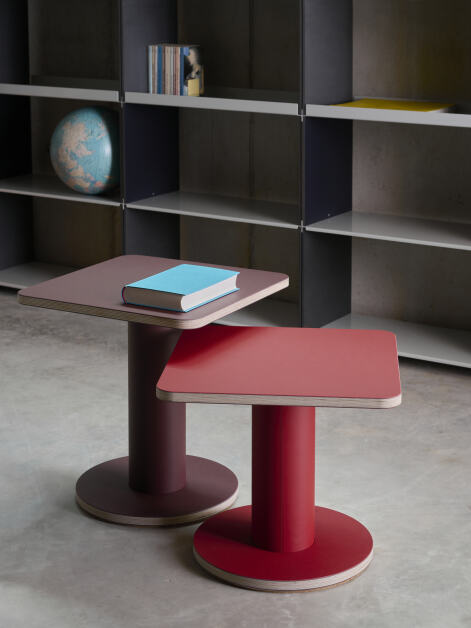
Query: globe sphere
x=84 y=150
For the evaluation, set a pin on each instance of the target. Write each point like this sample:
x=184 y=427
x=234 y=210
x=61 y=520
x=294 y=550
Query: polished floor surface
x=405 y=473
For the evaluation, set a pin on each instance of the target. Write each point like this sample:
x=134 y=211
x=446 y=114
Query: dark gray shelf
x=266 y=313
x=49 y=186
x=421 y=342
x=66 y=88
x=389 y=115
x=223 y=208
x=438 y=233
x=225 y=99
x=29 y=274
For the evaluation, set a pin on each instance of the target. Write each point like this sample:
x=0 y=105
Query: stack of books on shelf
x=399 y=105
x=176 y=70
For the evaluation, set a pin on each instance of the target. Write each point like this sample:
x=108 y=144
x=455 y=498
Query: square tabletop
x=284 y=366
x=96 y=290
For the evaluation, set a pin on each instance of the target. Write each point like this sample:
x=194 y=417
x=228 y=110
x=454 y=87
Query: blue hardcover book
x=181 y=288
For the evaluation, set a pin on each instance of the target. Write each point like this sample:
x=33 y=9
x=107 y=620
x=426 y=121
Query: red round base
x=342 y=549
x=103 y=492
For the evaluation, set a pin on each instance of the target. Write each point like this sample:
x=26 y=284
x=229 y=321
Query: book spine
x=164 y=68
x=158 y=69
x=172 y=73
x=161 y=63
x=177 y=71
x=172 y=77
x=176 y=66
x=149 y=68
x=156 y=77
x=167 y=70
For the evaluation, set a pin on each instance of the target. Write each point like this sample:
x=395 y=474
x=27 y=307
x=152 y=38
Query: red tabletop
x=96 y=291
x=284 y=366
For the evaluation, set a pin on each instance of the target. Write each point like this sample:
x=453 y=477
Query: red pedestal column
x=283 y=542
x=283 y=442
x=158 y=484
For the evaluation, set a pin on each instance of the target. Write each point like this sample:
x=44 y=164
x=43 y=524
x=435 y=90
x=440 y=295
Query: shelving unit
x=53 y=59
x=367 y=210
x=393 y=227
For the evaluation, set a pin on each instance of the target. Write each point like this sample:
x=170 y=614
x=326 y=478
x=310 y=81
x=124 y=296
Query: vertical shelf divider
x=16 y=240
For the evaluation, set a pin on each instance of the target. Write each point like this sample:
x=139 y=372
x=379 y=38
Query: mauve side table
x=157 y=484
x=283 y=542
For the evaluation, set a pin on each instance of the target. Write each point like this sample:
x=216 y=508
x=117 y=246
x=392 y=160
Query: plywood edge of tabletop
x=280 y=400
x=152 y=319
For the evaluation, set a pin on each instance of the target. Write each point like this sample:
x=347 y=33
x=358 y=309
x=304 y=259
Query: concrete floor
x=405 y=473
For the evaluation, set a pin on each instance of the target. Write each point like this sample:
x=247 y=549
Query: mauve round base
x=103 y=491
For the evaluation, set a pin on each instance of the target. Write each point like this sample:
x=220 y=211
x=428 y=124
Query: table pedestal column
x=283 y=542
x=158 y=484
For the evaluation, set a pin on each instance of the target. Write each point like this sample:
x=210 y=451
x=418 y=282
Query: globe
x=85 y=150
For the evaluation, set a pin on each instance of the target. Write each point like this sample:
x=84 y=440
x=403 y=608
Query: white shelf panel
x=389 y=115
x=421 y=342
x=225 y=99
x=265 y=313
x=49 y=186
x=438 y=233
x=30 y=274
x=51 y=91
x=223 y=208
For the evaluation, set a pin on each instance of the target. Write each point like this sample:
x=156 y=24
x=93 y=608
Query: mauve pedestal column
x=158 y=484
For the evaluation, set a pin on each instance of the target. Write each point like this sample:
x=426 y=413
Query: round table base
x=104 y=492
x=342 y=549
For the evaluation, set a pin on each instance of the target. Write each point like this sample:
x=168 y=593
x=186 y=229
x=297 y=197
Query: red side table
x=158 y=484
x=283 y=542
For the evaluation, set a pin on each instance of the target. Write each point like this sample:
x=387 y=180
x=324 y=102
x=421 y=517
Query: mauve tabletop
x=96 y=291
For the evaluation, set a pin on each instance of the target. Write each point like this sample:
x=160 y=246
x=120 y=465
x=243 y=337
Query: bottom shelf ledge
x=265 y=313
x=25 y=275
x=415 y=340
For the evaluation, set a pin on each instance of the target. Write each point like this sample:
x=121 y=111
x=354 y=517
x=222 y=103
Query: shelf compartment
x=49 y=186
x=222 y=208
x=242 y=51
x=41 y=240
x=370 y=49
x=403 y=229
x=226 y=165
x=462 y=120
x=225 y=99
x=25 y=275
x=421 y=342
x=265 y=313
x=74 y=45
x=40 y=178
